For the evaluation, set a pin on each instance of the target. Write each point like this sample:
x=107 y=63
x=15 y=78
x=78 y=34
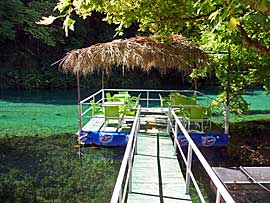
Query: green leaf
x=68 y=24
x=234 y=22
x=46 y=20
x=62 y=5
x=214 y=15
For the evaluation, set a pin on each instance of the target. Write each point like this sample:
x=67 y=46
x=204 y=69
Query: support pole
x=228 y=92
x=188 y=170
x=79 y=103
x=102 y=80
x=102 y=87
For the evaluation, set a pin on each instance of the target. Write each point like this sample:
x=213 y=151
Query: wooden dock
x=156 y=174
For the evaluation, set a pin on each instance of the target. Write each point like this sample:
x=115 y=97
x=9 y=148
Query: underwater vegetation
x=35 y=169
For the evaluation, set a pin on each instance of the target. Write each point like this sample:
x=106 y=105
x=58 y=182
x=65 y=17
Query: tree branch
x=265 y=10
x=252 y=43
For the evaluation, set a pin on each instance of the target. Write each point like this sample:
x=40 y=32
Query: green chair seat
x=97 y=109
x=109 y=97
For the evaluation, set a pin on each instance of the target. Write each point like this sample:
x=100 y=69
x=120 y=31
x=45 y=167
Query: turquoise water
x=55 y=111
x=39 y=159
x=38 y=112
x=42 y=165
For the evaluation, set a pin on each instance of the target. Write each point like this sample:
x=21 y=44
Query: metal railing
x=221 y=190
x=124 y=180
x=86 y=102
x=149 y=92
x=150 y=96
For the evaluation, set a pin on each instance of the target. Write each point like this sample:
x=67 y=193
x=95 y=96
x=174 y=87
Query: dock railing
x=175 y=124
x=124 y=180
x=148 y=96
x=97 y=97
x=151 y=95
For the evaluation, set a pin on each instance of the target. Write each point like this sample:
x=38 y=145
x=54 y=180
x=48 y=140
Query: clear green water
x=39 y=159
x=38 y=156
x=38 y=112
x=55 y=111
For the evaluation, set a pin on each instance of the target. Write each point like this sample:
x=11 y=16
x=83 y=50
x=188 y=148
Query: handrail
x=127 y=162
x=91 y=96
x=148 y=91
x=221 y=190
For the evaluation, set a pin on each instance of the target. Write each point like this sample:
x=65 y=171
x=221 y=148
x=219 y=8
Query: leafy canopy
x=249 y=18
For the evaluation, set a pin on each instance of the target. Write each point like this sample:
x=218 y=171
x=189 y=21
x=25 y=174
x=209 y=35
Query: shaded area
x=48 y=169
x=249 y=145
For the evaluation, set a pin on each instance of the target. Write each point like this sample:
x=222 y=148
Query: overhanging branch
x=252 y=43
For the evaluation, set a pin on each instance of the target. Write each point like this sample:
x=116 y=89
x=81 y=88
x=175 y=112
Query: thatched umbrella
x=143 y=53
x=139 y=52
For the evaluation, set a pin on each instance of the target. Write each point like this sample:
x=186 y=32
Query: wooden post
x=228 y=92
x=79 y=103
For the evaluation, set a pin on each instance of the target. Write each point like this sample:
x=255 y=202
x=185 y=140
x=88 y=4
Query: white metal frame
x=101 y=94
x=124 y=180
x=221 y=190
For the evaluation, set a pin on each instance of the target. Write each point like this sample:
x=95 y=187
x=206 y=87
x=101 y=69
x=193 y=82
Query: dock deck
x=156 y=174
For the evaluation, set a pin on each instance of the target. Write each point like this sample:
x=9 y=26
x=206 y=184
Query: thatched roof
x=139 y=52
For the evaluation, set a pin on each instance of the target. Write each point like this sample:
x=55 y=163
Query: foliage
x=249 y=19
x=235 y=23
x=248 y=68
x=10 y=16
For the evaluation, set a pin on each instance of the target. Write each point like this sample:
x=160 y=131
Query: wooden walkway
x=156 y=175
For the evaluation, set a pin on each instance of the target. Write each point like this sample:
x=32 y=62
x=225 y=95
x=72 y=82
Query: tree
x=249 y=18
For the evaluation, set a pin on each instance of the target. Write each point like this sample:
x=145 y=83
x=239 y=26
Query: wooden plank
x=156 y=175
x=94 y=124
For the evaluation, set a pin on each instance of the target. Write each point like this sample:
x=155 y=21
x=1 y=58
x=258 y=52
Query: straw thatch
x=139 y=52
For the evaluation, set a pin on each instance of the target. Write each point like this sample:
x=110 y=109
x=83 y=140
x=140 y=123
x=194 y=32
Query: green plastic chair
x=198 y=114
x=130 y=108
x=109 y=97
x=183 y=100
x=113 y=115
x=123 y=92
x=164 y=101
x=96 y=108
x=134 y=100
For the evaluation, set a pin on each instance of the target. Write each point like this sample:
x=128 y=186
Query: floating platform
x=211 y=137
x=115 y=132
